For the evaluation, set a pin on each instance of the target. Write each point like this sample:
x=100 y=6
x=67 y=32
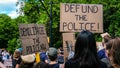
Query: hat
x=28 y=58
x=17 y=50
x=20 y=49
x=52 y=51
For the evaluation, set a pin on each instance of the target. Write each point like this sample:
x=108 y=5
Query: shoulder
x=54 y=65
x=43 y=53
x=71 y=63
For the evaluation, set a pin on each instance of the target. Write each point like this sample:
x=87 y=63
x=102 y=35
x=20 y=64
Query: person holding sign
x=16 y=59
x=85 y=52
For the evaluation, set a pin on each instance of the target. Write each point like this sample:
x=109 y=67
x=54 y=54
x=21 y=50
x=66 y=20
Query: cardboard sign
x=68 y=43
x=33 y=38
x=77 y=17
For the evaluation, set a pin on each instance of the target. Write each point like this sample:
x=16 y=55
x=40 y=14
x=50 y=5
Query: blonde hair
x=16 y=54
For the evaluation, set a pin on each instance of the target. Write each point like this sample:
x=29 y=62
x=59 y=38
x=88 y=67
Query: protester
x=85 y=53
x=5 y=55
x=102 y=56
x=27 y=61
x=43 y=56
x=52 y=54
x=60 y=57
x=1 y=64
x=115 y=52
x=103 y=53
x=16 y=59
x=105 y=41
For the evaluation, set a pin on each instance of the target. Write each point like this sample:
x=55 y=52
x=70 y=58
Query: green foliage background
x=37 y=11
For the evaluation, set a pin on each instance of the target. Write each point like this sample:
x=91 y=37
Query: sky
x=8 y=7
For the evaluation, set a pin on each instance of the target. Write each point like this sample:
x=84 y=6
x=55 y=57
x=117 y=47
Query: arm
x=17 y=66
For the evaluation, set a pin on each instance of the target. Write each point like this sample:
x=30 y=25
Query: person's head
x=43 y=49
x=27 y=61
x=17 y=53
x=85 y=48
x=108 y=47
x=115 y=52
x=85 y=44
x=52 y=53
x=41 y=65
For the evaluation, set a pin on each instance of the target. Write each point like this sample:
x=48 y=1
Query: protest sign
x=77 y=17
x=33 y=38
x=68 y=43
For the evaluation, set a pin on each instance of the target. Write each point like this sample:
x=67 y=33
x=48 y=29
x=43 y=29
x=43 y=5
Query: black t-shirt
x=75 y=64
x=14 y=62
x=54 y=65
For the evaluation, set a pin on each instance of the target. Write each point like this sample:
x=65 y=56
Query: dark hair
x=85 y=50
x=26 y=65
x=115 y=50
x=107 y=38
x=109 y=44
x=52 y=58
x=108 y=47
x=41 y=65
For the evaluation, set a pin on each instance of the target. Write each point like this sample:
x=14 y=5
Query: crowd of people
x=87 y=54
x=5 y=58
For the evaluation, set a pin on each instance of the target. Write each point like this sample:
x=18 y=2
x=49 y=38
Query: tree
x=38 y=11
x=111 y=17
x=9 y=35
x=4 y=34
